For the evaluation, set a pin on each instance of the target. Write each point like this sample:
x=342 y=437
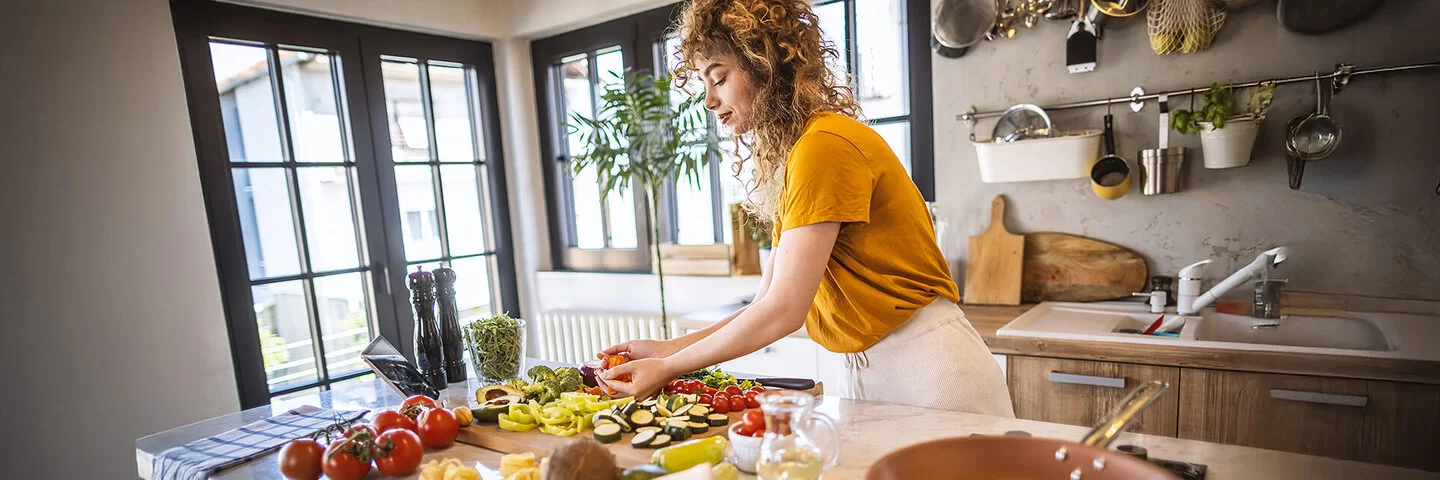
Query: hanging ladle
x=1310 y=138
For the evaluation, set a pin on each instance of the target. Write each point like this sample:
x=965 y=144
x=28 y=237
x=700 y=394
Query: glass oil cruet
x=798 y=443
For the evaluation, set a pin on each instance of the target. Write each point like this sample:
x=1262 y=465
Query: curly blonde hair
x=778 y=43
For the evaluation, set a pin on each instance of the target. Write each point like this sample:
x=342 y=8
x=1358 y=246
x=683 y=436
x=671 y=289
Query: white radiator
x=574 y=336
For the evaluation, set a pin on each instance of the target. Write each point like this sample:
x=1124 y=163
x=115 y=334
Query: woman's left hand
x=647 y=376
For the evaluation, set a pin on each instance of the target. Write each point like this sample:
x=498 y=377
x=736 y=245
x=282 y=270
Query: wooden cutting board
x=992 y=273
x=1070 y=268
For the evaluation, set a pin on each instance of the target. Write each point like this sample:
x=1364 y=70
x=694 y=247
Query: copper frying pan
x=1029 y=458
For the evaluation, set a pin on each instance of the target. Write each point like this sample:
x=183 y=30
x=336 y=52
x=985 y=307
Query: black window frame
x=357 y=49
x=641 y=39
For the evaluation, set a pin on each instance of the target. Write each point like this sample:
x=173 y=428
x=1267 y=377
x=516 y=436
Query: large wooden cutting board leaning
x=992 y=272
x=1069 y=268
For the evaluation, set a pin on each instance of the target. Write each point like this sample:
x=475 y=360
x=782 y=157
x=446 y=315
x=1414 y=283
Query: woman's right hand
x=638 y=349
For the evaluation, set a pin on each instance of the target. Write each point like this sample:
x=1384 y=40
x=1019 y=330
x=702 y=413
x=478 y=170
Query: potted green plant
x=1226 y=136
x=640 y=136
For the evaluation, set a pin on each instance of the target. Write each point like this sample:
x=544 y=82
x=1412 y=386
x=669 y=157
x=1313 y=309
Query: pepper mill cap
x=421 y=280
x=444 y=277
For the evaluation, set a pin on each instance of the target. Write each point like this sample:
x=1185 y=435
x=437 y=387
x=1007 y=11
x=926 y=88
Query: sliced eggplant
x=642 y=418
x=660 y=441
x=643 y=439
x=607 y=433
x=698 y=428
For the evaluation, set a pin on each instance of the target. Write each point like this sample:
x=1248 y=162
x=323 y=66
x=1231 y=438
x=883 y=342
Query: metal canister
x=1160 y=169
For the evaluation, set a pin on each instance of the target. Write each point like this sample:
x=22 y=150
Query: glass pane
x=283 y=320
x=409 y=136
x=247 y=103
x=329 y=224
x=454 y=133
x=310 y=101
x=462 y=209
x=575 y=81
x=733 y=189
x=880 y=40
x=832 y=29
x=621 y=207
x=694 y=218
x=419 y=221
x=473 y=293
x=898 y=136
x=344 y=321
x=610 y=64
x=267 y=222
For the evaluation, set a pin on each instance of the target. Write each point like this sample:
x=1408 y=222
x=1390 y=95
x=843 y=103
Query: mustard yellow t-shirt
x=885 y=263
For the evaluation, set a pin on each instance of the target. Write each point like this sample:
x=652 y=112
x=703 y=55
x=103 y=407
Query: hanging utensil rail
x=1137 y=97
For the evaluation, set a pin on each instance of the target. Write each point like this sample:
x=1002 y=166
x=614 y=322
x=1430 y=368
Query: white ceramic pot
x=1228 y=147
x=744 y=451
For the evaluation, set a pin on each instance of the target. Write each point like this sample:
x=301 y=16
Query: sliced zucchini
x=718 y=419
x=663 y=410
x=698 y=427
x=676 y=402
x=649 y=402
x=699 y=410
x=629 y=408
x=607 y=433
x=660 y=441
x=643 y=439
x=651 y=428
x=681 y=410
x=642 y=418
x=601 y=417
x=624 y=425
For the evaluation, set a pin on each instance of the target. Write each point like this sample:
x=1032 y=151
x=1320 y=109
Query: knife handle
x=787 y=383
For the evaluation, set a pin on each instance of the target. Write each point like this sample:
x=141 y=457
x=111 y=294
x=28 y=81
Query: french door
x=334 y=159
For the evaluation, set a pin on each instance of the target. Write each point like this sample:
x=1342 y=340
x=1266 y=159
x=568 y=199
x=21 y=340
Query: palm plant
x=639 y=135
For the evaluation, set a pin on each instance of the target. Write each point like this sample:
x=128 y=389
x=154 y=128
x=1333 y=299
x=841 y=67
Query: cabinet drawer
x=1371 y=421
x=1081 y=392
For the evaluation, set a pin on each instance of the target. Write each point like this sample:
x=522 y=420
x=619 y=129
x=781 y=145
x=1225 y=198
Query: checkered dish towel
x=199 y=459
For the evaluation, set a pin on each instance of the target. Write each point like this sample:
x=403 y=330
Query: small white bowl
x=745 y=451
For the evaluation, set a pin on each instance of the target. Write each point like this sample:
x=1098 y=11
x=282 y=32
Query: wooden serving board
x=1069 y=268
x=492 y=437
x=992 y=272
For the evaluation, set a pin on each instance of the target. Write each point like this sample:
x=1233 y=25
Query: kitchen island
x=868 y=431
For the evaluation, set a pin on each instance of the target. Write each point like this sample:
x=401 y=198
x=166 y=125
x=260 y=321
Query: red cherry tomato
x=745 y=430
x=757 y=389
x=706 y=399
x=755 y=419
x=737 y=403
x=347 y=459
x=732 y=390
x=300 y=459
x=388 y=420
x=696 y=385
x=721 y=407
x=708 y=390
x=438 y=428
x=398 y=452
x=752 y=402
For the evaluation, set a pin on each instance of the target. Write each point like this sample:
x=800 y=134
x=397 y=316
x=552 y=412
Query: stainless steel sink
x=1295 y=330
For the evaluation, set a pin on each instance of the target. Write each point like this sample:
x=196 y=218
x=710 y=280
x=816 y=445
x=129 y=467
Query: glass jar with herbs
x=496 y=346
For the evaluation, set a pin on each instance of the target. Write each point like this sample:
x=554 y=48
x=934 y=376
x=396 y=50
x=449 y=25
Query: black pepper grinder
x=428 y=354
x=449 y=324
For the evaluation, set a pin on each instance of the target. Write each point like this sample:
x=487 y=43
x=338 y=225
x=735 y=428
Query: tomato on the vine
x=300 y=459
x=418 y=400
x=388 y=420
x=438 y=428
x=361 y=431
x=347 y=459
x=398 y=452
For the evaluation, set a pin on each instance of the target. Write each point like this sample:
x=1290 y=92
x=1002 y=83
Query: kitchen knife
x=783 y=383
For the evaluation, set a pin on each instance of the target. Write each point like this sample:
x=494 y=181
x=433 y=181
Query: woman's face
x=729 y=92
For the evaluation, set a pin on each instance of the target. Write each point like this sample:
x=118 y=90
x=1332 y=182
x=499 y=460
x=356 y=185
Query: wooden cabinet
x=1372 y=421
x=1081 y=392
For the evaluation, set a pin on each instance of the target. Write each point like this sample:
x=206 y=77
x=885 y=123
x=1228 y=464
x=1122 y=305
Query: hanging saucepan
x=958 y=24
x=1119 y=13
x=1029 y=457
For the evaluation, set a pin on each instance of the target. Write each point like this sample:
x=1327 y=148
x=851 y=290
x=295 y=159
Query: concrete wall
x=108 y=290
x=1365 y=220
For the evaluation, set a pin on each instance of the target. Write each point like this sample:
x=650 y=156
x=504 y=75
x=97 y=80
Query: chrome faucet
x=1188 y=298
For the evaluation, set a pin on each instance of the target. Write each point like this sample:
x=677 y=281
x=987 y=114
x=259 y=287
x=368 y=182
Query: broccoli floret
x=540 y=373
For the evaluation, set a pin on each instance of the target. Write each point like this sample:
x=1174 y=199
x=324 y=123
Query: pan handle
x=1123 y=415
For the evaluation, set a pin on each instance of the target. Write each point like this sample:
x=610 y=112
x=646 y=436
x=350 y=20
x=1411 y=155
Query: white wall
x=479 y=19
x=108 y=289
x=541 y=18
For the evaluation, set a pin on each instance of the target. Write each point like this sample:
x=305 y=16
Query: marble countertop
x=868 y=431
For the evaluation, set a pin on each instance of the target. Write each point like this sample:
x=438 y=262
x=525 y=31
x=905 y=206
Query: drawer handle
x=1094 y=381
x=1317 y=397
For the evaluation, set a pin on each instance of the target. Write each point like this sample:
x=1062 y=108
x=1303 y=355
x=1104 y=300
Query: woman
x=856 y=261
